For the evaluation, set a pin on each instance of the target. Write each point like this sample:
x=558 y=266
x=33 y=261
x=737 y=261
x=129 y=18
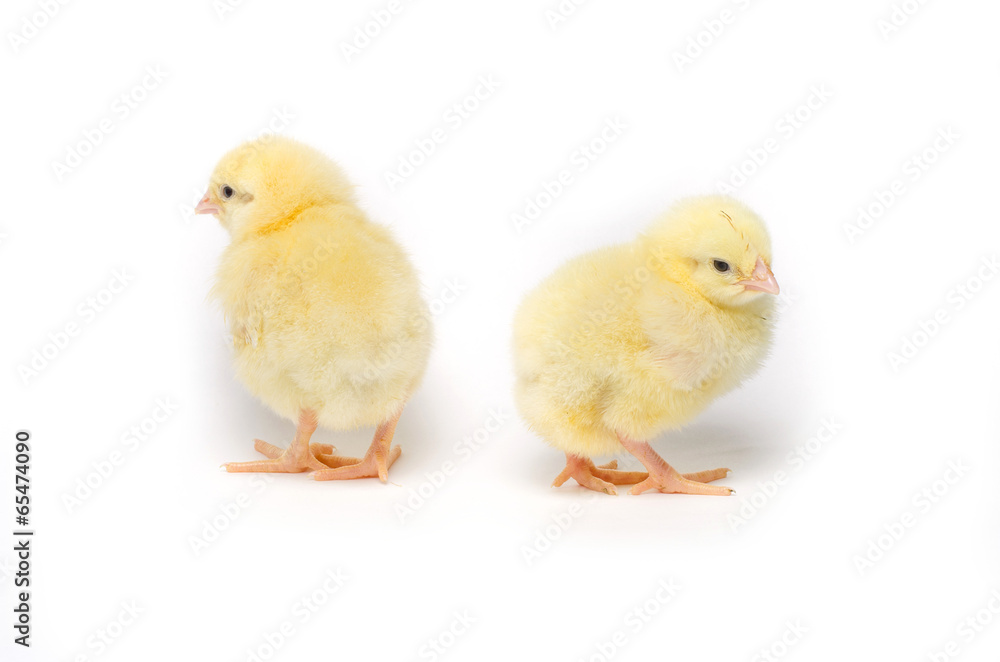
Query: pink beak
x=761 y=279
x=206 y=206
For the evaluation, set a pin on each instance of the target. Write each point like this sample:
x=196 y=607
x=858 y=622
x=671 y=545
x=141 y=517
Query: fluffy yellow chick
x=629 y=341
x=328 y=324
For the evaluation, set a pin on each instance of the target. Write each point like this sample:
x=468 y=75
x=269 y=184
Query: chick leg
x=665 y=478
x=296 y=458
x=376 y=461
x=599 y=479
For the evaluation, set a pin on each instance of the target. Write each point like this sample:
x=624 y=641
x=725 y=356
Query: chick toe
x=670 y=484
x=335 y=461
x=322 y=452
x=708 y=475
x=619 y=477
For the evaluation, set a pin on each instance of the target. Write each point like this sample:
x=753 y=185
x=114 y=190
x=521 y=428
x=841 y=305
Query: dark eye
x=721 y=266
x=227 y=192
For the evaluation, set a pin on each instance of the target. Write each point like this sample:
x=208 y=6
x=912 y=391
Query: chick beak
x=762 y=279
x=206 y=206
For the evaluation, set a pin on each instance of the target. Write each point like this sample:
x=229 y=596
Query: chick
x=328 y=324
x=629 y=341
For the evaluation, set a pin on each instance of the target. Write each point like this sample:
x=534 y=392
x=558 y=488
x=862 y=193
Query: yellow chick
x=629 y=341
x=328 y=324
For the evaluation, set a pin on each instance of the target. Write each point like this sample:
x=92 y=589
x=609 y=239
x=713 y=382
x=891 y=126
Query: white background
x=792 y=559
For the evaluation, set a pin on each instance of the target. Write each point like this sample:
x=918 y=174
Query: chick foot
x=299 y=457
x=376 y=461
x=600 y=479
x=666 y=479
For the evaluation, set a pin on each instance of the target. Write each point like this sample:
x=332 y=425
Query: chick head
x=718 y=246
x=270 y=180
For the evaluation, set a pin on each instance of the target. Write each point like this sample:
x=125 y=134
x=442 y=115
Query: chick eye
x=227 y=192
x=721 y=266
